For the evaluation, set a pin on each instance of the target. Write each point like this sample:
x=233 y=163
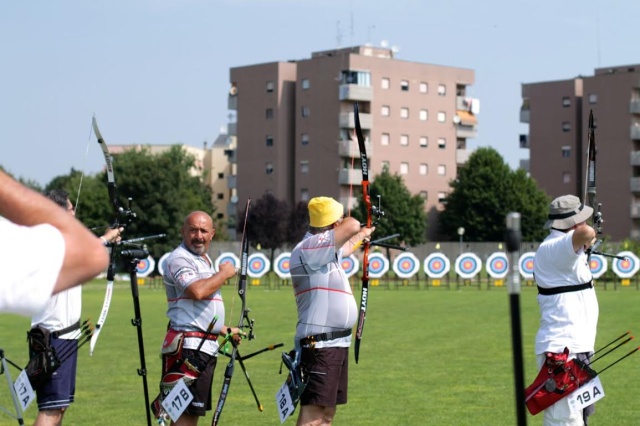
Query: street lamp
x=461 y=233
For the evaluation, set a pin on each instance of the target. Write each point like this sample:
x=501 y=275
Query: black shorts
x=200 y=388
x=328 y=372
x=57 y=393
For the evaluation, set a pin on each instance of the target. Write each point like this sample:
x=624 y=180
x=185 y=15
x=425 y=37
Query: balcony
x=348 y=121
x=232 y=102
x=231 y=182
x=634 y=106
x=350 y=177
x=634 y=234
x=635 y=131
x=634 y=183
x=635 y=211
x=525 y=115
x=466 y=132
x=355 y=92
x=350 y=149
x=232 y=129
x=462 y=156
x=635 y=158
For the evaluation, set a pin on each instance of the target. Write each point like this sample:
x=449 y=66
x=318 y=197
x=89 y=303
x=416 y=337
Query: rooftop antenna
x=370 y=29
x=338 y=34
x=351 y=22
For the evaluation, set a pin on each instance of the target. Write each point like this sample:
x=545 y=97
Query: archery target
x=161 y=262
x=145 y=267
x=525 y=265
x=350 y=265
x=468 y=265
x=406 y=265
x=378 y=265
x=497 y=265
x=626 y=268
x=227 y=257
x=258 y=265
x=598 y=265
x=282 y=264
x=436 y=265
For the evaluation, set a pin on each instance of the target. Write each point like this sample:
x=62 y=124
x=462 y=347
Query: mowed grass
x=428 y=357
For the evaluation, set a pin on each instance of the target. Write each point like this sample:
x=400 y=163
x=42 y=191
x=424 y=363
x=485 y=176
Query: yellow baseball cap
x=323 y=211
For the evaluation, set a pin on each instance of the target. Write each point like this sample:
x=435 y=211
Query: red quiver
x=557 y=379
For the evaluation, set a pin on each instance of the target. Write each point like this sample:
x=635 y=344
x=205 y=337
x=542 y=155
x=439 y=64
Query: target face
x=145 y=267
x=626 y=268
x=350 y=265
x=468 y=265
x=258 y=265
x=378 y=265
x=281 y=266
x=161 y=262
x=227 y=257
x=406 y=265
x=497 y=265
x=525 y=265
x=436 y=265
x=598 y=265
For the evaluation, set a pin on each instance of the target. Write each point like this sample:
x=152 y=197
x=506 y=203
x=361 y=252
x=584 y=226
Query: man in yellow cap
x=327 y=309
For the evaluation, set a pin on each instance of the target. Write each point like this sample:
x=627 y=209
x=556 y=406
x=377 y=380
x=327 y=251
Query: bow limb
x=365 y=257
x=244 y=322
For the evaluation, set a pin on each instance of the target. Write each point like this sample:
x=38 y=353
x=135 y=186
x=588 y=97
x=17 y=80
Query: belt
x=200 y=335
x=564 y=289
x=72 y=327
x=323 y=337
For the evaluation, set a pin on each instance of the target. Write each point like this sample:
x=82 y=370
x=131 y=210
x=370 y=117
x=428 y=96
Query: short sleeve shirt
x=182 y=269
x=323 y=295
x=28 y=281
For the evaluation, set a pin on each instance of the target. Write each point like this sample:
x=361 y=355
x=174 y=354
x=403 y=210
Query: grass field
x=428 y=357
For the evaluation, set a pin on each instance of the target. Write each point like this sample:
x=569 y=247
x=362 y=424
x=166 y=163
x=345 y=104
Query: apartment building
x=295 y=121
x=558 y=114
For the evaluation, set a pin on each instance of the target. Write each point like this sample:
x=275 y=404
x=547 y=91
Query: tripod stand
x=4 y=368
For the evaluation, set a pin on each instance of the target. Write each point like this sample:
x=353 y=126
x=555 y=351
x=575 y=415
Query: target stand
x=436 y=267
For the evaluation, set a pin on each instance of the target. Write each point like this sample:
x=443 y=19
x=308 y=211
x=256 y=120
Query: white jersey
x=566 y=319
x=182 y=268
x=28 y=281
x=61 y=311
x=323 y=294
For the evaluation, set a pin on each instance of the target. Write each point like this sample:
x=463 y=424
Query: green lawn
x=428 y=357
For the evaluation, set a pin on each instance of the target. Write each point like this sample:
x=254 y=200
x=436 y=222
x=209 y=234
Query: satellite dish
x=234 y=199
x=456 y=119
x=233 y=91
x=384 y=43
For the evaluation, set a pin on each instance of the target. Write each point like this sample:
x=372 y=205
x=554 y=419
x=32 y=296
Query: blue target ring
x=257 y=265
x=405 y=265
x=145 y=267
x=468 y=265
x=525 y=264
x=598 y=265
x=282 y=263
x=436 y=265
x=350 y=265
x=628 y=267
x=378 y=265
x=497 y=265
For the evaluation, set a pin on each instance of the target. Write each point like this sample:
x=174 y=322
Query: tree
x=298 y=223
x=404 y=213
x=268 y=223
x=485 y=191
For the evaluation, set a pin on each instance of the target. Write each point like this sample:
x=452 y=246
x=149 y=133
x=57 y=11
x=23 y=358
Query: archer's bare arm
x=349 y=234
x=200 y=289
x=85 y=256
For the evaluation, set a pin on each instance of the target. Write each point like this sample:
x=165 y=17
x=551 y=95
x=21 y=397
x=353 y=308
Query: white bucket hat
x=567 y=211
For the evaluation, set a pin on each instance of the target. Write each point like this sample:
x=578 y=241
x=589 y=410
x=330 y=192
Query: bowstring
x=86 y=158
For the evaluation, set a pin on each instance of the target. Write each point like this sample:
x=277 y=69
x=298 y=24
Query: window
x=305 y=111
x=424 y=169
x=593 y=98
x=404 y=168
x=404 y=85
x=404 y=112
x=385 y=83
x=385 y=110
x=384 y=139
x=566 y=151
x=220 y=196
x=269 y=140
x=442 y=90
x=269 y=113
x=424 y=195
x=269 y=168
x=404 y=140
x=305 y=84
x=220 y=175
x=385 y=165
x=304 y=167
x=442 y=116
x=442 y=197
x=270 y=86
x=424 y=141
x=220 y=215
x=566 y=126
x=424 y=115
x=442 y=143
x=566 y=101
x=566 y=177
x=360 y=78
x=424 y=87
x=442 y=170
x=304 y=194
x=304 y=139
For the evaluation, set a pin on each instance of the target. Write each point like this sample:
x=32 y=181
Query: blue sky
x=156 y=71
